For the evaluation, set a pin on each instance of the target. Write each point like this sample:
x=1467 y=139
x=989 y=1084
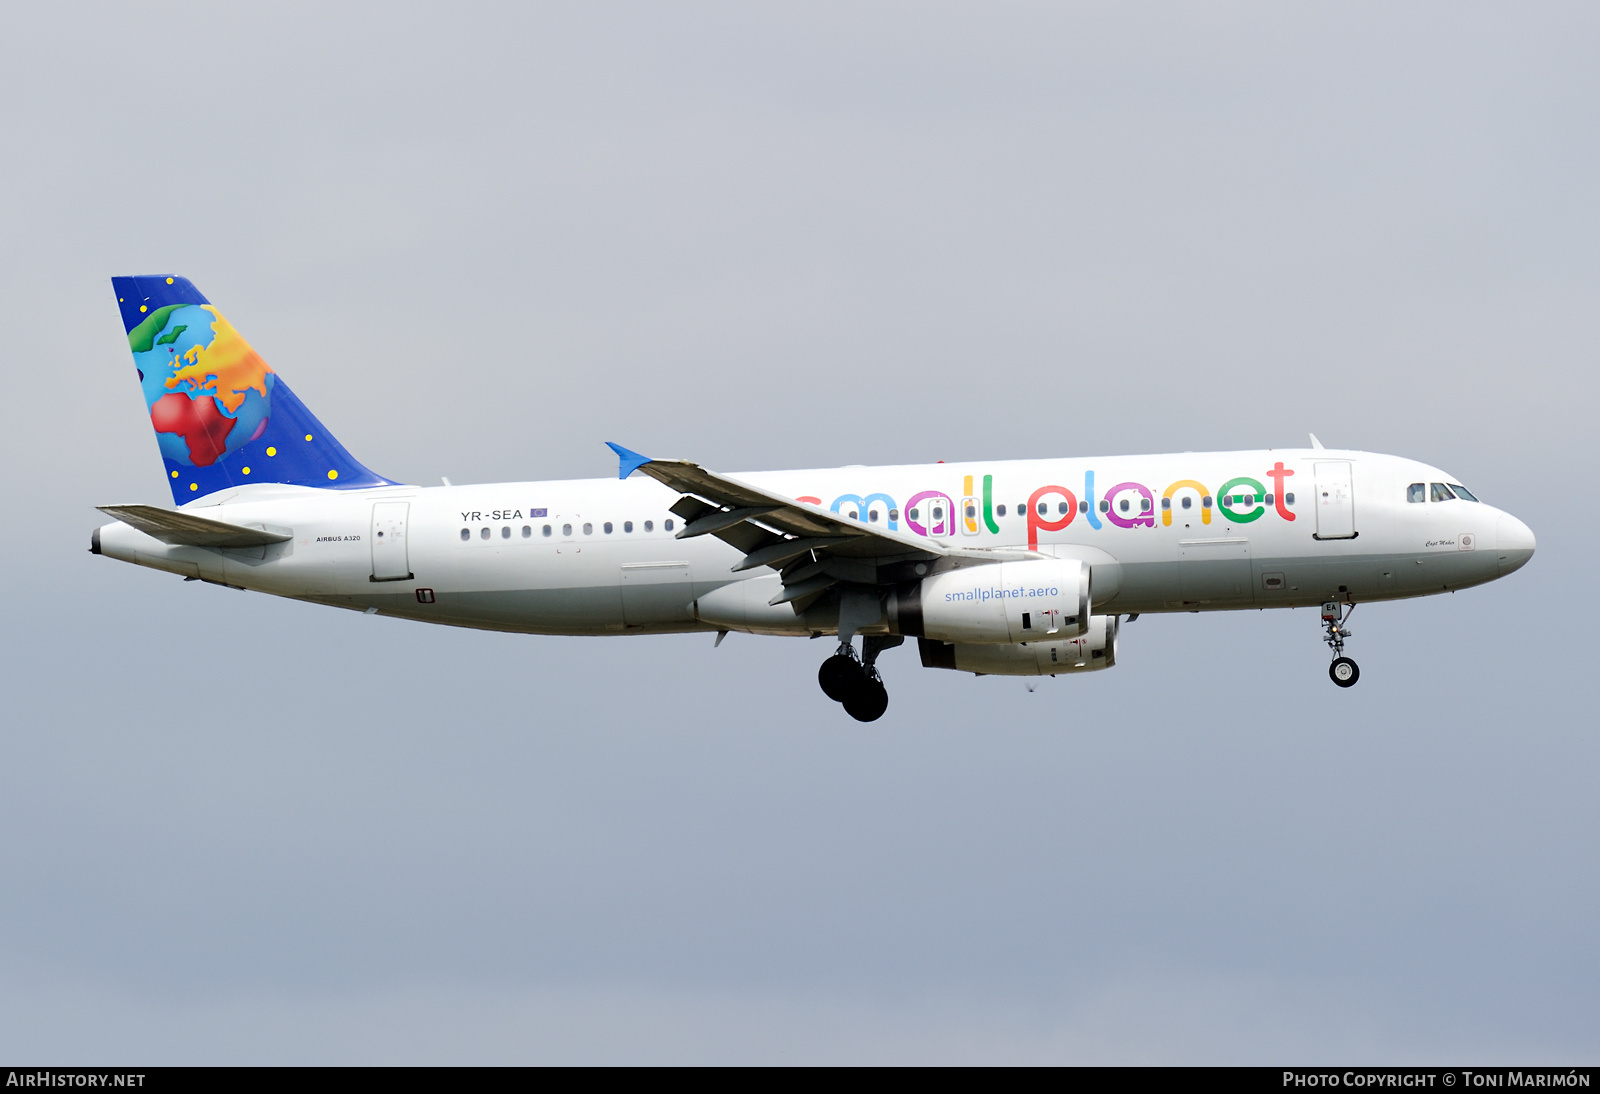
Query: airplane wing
x=812 y=547
x=190 y=530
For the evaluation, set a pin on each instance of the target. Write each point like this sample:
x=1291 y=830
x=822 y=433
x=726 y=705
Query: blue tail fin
x=222 y=417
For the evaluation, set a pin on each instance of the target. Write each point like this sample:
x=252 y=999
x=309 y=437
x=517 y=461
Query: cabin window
x=1205 y=502
x=1000 y=510
x=1144 y=505
x=466 y=534
x=916 y=514
x=505 y=533
x=972 y=512
x=1123 y=505
x=667 y=524
x=627 y=526
x=1438 y=491
x=1061 y=508
x=484 y=534
x=1083 y=507
x=566 y=530
x=1166 y=503
x=1267 y=500
x=649 y=526
x=1461 y=492
x=588 y=529
x=872 y=515
x=1288 y=499
x=894 y=514
x=526 y=531
x=1105 y=506
x=607 y=527
x=1188 y=502
x=1043 y=509
x=545 y=530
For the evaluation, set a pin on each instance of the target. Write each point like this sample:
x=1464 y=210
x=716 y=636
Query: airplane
x=1014 y=568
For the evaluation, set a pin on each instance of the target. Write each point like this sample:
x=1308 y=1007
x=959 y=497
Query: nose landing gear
x=854 y=682
x=1343 y=671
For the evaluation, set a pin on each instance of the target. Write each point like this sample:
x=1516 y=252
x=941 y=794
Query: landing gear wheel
x=840 y=676
x=868 y=700
x=1344 y=672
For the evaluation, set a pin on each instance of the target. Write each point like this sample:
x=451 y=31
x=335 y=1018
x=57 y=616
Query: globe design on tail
x=207 y=391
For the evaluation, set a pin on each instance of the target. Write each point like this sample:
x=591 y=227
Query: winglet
x=1316 y=444
x=630 y=461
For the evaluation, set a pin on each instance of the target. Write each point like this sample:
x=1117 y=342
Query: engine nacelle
x=1095 y=649
x=1041 y=600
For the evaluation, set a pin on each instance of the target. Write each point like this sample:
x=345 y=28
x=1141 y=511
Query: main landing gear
x=854 y=681
x=1343 y=671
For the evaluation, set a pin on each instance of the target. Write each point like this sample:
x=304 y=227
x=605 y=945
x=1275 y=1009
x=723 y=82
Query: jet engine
x=1041 y=599
x=1095 y=649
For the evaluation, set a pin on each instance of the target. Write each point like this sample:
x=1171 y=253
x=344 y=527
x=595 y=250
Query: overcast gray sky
x=479 y=240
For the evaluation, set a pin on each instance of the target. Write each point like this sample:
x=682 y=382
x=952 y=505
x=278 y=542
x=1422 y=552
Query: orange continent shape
x=227 y=368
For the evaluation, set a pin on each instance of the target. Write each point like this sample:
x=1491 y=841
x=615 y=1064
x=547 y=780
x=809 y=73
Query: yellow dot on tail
x=333 y=474
x=194 y=486
x=169 y=281
x=272 y=451
x=141 y=307
x=247 y=471
x=308 y=436
x=174 y=474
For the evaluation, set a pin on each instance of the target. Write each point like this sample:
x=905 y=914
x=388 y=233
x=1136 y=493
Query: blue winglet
x=631 y=461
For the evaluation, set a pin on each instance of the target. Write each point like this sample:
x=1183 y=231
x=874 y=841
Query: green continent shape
x=172 y=335
x=142 y=337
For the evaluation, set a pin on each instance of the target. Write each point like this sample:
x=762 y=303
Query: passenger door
x=390 y=555
x=1336 y=504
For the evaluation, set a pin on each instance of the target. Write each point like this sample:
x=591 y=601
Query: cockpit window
x=1461 y=492
x=1417 y=492
x=1440 y=492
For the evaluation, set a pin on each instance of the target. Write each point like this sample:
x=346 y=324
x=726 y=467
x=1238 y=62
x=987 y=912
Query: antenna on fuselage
x=1314 y=442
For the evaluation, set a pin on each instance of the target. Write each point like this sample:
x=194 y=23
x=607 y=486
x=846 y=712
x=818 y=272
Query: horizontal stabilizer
x=189 y=530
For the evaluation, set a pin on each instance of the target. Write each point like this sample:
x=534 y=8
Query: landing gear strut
x=854 y=682
x=1343 y=671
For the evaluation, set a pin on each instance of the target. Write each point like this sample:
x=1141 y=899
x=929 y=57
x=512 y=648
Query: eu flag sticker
x=539 y=513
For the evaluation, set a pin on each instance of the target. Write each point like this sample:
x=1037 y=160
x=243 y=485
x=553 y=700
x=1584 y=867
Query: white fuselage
x=1161 y=533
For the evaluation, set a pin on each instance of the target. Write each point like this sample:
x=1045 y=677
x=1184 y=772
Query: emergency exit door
x=1336 y=503
x=390 y=556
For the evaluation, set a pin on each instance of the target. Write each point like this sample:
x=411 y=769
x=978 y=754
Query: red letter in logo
x=1038 y=520
x=1277 y=475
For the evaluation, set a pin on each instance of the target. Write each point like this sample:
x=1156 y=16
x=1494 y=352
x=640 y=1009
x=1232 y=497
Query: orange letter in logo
x=1166 y=501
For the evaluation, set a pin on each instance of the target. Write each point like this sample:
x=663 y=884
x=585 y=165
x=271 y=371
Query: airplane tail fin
x=223 y=418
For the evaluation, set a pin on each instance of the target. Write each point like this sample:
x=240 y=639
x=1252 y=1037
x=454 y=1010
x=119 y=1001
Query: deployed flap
x=190 y=530
x=813 y=547
x=738 y=502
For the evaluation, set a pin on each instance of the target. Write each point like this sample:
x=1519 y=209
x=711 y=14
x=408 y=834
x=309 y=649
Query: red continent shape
x=201 y=424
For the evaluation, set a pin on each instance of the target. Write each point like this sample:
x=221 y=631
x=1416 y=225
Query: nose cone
x=1516 y=543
